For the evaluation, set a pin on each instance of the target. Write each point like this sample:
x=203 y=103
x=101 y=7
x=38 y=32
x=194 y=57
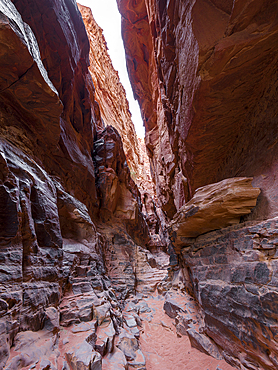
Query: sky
x=108 y=18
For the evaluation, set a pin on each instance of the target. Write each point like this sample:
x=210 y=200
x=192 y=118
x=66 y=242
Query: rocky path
x=162 y=347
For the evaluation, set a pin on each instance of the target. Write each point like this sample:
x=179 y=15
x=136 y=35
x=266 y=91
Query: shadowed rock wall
x=65 y=194
x=205 y=75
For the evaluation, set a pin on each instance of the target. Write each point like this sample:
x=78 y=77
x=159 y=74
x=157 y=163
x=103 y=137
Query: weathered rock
x=52 y=264
x=31 y=348
x=129 y=345
x=214 y=206
x=196 y=85
x=118 y=193
x=111 y=96
x=203 y=343
x=233 y=273
x=172 y=307
x=72 y=230
x=105 y=338
x=115 y=360
x=84 y=358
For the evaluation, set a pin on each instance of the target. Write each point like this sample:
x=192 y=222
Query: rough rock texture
x=75 y=273
x=234 y=277
x=205 y=75
x=66 y=195
x=110 y=94
x=213 y=207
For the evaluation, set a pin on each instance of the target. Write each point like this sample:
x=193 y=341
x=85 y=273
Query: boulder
x=214 y=206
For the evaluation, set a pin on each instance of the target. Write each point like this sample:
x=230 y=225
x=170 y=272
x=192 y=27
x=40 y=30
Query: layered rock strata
x=233 y=273
x=73 y=225
x=68 y=202
x=110 y=94
x=204 y=73
x=213 y=207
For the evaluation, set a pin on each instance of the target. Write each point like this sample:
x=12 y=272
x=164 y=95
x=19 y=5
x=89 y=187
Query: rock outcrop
x=110 y=94
x=68 y=202
x=233 y=273
x=86 y=262
x=205 y=75
x=213 y=207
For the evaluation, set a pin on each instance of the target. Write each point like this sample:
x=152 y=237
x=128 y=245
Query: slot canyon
x=118 y=253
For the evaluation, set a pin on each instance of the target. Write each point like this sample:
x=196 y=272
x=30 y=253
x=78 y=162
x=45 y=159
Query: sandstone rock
x=173 y=305
x=31 y=348
x=195 y=86
x=171 y=308
x=118 y=193
x=115 y=360
x=105 y=338
x=128 y=344
x=78 y=308
x=84 y=358
x=214 y=206
x=150 y=270
x=28 y=83
x=203 y=343
x=138 y=362
x=235 y=287
x=52 y=260
x=111 y=95
x=72 y=231
x=51 y=321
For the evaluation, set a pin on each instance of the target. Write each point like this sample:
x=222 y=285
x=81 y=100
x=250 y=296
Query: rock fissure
x=118 y=253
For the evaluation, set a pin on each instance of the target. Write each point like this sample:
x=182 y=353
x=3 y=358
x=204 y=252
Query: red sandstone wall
x=205 y=76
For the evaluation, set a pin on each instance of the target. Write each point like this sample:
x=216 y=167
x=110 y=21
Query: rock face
x=69 y=208
x=110 y=94
x=81 y=249
x=205 y=75
x=234 y=276
x=214 y=206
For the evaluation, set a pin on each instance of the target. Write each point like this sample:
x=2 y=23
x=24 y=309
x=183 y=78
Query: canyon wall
x=82 y=247
x=71 y=221
x=205 y=75
x=109 y=92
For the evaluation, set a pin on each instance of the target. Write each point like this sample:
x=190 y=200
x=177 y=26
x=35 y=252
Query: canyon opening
x=119 y=252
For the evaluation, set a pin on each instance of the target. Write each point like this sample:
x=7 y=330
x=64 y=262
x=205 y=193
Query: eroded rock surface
x=204 y=73
x=81 y=249
x=214 y=206
x=205 y=76
x=66 y=194
x=110 y=93
x=233 y=273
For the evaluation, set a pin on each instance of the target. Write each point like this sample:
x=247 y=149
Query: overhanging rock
x=213 y=207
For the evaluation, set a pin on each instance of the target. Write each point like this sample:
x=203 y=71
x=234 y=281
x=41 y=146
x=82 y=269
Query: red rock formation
x=56 y=166
x=73 y=235
x=213 y=207
x=110 y=93
x=205 y=75
x=199 y=85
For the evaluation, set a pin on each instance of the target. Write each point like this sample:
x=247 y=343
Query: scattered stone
x=172 y=307
x=83 y=357
x=115 y=360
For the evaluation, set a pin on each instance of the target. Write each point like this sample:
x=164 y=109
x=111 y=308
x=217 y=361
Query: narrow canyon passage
x=118 y=253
